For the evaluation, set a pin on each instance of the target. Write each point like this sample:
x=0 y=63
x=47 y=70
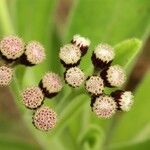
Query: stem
x=86 y=146
x=73 y=107
x=111 y=130
x=68 y=97
x=5 y=20
x=86 y=112
x=63 y=100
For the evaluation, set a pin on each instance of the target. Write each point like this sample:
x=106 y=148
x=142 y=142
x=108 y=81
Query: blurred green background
x=125 y=24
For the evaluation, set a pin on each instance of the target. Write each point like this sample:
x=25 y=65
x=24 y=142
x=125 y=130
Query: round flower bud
x=74 y=76
x=6 y=75
x=124 y=99
x=32 y=97
x=94 y=85
x=70 y=55
x=113 y=76
x=12 y=47
x=81 y=42
x=51 y=84
x=44 y=118
x=103 y=55
x=34 y=54
x=104 y=106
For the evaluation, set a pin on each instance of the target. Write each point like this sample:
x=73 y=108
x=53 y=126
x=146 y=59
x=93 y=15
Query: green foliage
x=8 y=143
x=126 y=52
x=109 y=21
x=134 y=125
x=125 y=25
x=144 y=145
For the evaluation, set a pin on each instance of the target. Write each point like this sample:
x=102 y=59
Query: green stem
x=111 y=130
x=86 y=146
x=71 y=109
x=68 y=98
x=63 y=100
x=5 y=20
x=86 y=112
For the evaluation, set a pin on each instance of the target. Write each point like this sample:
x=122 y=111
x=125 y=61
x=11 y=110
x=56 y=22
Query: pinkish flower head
x=74 y=76
x=94 y=85
x=114 y=76
x=6 y=75
x=70 y=55
x=51 y=84
x=103 y=55
x=12 y=47
x=124 y=99
x=32 y=97
x=44 y=118
x=104 y=106
x=34 y=53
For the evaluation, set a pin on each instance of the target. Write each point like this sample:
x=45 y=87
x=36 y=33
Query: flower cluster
x=70 y=56
x=13 y=50
x=106 y=75
x=111 y=76
x=44 y=118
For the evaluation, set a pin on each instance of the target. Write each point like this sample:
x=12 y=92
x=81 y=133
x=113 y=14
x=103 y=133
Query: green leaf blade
x=127 y=52
x=134 y=122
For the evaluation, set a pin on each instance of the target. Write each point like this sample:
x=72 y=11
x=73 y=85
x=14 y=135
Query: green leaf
x=126 y=52
x=142 y=145
x=134 y=126
x=92 y=138
x=5 y=20
x=107 y=21
x=33 y=20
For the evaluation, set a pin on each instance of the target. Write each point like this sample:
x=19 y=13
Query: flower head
x=81 y=42
x=34 y=53
x=124 y=99
x=94 y=85
x=51 y=84
x=114 y=76
x=104 y=106
x=70 y=55
x=74 y=76
x=103 y=55
x=12 y=47
x=32 y=97
x=44 y=118
x=6 y=75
